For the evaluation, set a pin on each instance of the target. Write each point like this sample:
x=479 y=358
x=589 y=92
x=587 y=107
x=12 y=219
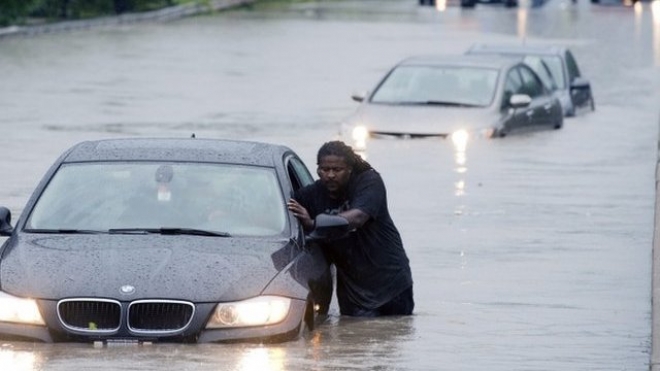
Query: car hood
x=182 y=267
x=420 y=120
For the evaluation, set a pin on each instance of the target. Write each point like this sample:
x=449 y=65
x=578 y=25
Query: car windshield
x=174 y=198
x=460 y=86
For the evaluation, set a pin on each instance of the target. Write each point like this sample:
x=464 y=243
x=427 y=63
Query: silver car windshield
x=148 y=196
x=468 y=86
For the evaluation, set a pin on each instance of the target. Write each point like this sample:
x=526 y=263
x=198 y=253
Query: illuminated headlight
x=259 y=311
x=360 y=135
x=460 y=139
x=19 y=310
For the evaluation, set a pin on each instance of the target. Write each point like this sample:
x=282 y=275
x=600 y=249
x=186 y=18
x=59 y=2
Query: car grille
x=93 y=315
x=158 y=316
x=97 y=316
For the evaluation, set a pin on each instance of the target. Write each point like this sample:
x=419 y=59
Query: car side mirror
x=329 y=227
x=5 y=222
x=580 y=83
x=359 y=96
x=520 y=100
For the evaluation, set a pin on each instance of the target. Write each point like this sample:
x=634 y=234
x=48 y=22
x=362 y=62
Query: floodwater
x=532 y=252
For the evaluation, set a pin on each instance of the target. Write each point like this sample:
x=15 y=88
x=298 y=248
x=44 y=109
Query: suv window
x=571 y=65
x=532 y=86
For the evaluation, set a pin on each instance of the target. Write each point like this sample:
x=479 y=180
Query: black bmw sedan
x=147 y=240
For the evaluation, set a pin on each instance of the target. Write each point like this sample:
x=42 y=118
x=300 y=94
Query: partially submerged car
x=473 y=3
x=567 y=83
x=457 y=97
x=185 y=240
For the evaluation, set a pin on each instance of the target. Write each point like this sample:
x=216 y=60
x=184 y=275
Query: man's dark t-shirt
x=372 y=266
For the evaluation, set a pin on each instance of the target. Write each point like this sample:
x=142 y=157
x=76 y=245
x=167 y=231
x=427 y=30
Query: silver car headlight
x=360 y=134
x=460 y=139
x=259 y=311
x=19 y=310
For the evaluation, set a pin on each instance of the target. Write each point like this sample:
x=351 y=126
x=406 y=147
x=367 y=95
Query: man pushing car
x=373 y=271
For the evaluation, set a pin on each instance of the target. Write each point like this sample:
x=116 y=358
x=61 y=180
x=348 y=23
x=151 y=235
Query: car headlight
x=360 y=135
x=19 y=310
x=259 y=311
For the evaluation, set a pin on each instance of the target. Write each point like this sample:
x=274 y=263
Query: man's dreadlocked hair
x=339 y=148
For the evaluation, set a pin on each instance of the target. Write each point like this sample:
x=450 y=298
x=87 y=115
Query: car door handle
x=530 y=113
x=548 y=107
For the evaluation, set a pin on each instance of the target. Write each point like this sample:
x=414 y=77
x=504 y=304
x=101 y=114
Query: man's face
x=334 y=173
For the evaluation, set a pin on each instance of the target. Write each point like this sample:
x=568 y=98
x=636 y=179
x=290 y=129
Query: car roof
x=496 y=62
x=177 y=149
x=517 y=49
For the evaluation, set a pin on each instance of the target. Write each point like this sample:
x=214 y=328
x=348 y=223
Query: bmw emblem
x=127 y=289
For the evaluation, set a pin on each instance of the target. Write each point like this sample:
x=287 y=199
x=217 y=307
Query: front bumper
x=55 y=331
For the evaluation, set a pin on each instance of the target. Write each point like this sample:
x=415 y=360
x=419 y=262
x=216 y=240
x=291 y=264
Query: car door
x=514 y=118
x=541 y=109
x=580 y=92
x=317 y=265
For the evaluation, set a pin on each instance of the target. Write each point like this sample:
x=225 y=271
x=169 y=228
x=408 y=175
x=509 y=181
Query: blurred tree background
x=21 y=12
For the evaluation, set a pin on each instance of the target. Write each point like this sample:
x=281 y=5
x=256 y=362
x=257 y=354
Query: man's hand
x=301 y=213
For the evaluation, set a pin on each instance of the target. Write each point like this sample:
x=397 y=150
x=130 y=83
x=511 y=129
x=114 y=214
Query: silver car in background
x=567 y=83
x=458 y=97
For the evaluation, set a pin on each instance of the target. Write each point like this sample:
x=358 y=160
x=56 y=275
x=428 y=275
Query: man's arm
x=356 y=217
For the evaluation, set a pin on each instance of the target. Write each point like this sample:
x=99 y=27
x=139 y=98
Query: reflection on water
x=655 y=11
x=341 y=343
x=263 y=359
x=18 y=360
x=368 y=343
x=639 y=11
x=460 y=147
x=641 y=29
x=522 y=22
x=460 y=188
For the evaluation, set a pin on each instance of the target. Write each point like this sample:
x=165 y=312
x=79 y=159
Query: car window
x=542 y=70
x=240 y=200
x=512 y=85
x=438 y=84
x=571 y=66
x=557 y=69
x=298 y=173
x=532 y=86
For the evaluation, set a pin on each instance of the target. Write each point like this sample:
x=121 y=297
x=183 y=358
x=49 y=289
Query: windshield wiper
x=65 y=231
x=169 y=231
x=448 y=104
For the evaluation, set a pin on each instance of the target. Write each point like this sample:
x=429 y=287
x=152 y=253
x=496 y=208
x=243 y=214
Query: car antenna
x=193 y=135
